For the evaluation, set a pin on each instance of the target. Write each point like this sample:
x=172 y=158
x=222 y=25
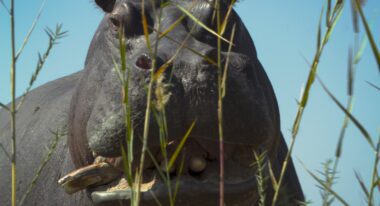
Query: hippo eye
x=144 y=62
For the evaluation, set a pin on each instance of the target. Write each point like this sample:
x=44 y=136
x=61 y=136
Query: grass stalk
x=334 y=17
x=260 y=178
x=13 y=103
x=57 y=136
x=149 y=96
x=220 y=105
x=374 y=177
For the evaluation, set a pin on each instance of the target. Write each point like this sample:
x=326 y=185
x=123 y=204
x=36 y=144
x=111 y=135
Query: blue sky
x=284 y=34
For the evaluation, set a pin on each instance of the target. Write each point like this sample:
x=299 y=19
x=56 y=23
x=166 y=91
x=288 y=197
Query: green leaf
x=362 y=184
x=180 y=146
x=369 y=34
x=353 y=119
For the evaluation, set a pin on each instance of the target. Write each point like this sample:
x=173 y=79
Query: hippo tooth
x=92 y=175
x=99 y=197
x=197 y=164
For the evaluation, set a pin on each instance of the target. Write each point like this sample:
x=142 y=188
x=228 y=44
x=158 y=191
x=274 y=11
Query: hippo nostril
x=144 y=62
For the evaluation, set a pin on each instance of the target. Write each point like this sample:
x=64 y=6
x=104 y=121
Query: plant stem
x=13 y=106
x=374 y=174
x=220 y=109
x=337 y=12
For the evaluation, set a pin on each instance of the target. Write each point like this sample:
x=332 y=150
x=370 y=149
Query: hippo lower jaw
x=198 y=181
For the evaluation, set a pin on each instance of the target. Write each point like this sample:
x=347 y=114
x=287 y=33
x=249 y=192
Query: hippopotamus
x=83 y=115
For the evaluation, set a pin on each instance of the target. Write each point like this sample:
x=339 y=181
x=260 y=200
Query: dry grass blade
x=26 y=39
x=326 y=187
x=145 y=26
x=369 y=33
x=272 y=176
x=225 y=73
x=180 y=146
x=225 y=21
x=352 y=118
x=200 y=23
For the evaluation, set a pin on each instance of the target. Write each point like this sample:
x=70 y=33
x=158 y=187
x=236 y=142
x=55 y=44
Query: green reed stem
x=13 y=104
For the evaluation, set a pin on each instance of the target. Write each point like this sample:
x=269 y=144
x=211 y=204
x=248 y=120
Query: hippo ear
x=106 y=5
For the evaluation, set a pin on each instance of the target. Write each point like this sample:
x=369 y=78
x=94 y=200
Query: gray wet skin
x=95 y=118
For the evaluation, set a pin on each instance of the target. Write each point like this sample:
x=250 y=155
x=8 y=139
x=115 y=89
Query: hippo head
x=186 y=91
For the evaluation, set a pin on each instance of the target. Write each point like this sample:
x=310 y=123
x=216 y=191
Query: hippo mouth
x=195 y=175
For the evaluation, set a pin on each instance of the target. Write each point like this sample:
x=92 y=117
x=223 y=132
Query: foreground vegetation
x=329 y=18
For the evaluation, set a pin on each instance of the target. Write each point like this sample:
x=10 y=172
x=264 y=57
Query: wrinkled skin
x=90 y=105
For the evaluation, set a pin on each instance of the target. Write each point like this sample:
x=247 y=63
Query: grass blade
x=373 y=85
x=319 y=33
x=352 y=118
x=5 y=6
x=321 y=183
x=369 y=33
x=272 y=176
x=54 y=36
x=180 y=146
x=26 y=39
x=200 y=23
x=362 y=185
x=225 y=21
x=57 y=137
x=224 y=78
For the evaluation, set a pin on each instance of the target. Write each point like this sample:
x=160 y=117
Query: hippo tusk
x=122 y=191
x=99 y=197
x=92 y=175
